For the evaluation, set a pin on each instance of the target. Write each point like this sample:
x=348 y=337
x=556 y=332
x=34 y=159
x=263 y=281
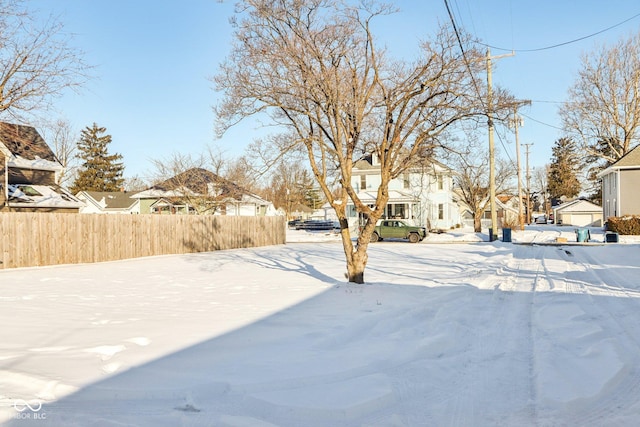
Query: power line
x=464 y=55
x=563 y=43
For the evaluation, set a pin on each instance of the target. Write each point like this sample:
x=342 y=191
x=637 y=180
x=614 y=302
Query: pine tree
x=563 y=171
x=100 y=171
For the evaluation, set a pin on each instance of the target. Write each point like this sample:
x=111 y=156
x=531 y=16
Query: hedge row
x=626 y=225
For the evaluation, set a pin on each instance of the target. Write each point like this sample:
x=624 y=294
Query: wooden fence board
x=30 y=239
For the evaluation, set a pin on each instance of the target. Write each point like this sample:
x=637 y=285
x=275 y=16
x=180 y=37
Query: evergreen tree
x=100 y=171
x=563 y=171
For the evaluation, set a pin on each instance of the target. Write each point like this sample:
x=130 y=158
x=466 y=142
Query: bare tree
x=603 y=110
x=240 y=172
x=135 y=184
x=315 y=68
x=63 y=141
x=291 y=185
x=472 y=179
x=540 y=179
x=37 y=61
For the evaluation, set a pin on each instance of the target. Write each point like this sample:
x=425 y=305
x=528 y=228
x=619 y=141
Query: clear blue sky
x=153 y=59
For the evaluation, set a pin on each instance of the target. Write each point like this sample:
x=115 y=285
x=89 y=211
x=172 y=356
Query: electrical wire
x=455 y=29
x=464 y=55
x=563 y=43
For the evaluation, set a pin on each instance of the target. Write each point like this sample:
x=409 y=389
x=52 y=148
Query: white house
x=423 y=194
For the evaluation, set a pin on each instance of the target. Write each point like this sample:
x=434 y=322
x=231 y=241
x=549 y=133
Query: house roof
x=628 y=161
x=369 y=197
x=41 y=196
x=366 y=163
x=25 y=147
x=198 y=181
x=110 y=199
x=632 y=158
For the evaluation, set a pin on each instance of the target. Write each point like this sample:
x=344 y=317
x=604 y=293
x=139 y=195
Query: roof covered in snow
x=41 y=196
x=25 y=148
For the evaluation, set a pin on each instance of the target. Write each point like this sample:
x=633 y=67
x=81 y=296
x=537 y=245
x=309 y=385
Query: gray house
x=620 y=183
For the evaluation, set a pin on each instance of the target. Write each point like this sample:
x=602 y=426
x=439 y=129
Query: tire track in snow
x=600 y=301
x=498 y=357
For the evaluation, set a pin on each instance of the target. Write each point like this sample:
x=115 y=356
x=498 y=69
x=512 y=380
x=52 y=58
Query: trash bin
x=611 y=237
x=582 y=235
x=492 y=237
x=506 y=235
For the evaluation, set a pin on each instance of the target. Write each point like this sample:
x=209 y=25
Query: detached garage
x=580 y=213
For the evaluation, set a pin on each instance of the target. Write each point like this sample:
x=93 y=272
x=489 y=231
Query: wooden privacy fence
x=33 y=239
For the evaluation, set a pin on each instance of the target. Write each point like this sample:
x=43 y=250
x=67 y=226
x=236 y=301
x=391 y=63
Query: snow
x=46 y=196
x=36 y=163
x=452 y=331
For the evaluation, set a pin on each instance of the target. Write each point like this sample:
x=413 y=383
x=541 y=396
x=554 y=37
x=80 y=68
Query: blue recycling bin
x=506 y=235
x=582 y=235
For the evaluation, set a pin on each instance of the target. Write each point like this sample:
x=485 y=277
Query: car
x=399 y=229
x=294 y=223
x=315 y=225
x=541 y=219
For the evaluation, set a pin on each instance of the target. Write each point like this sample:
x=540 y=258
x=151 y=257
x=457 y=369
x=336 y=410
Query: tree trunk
x=356 y=256
x=477 y=223
x=356 y=265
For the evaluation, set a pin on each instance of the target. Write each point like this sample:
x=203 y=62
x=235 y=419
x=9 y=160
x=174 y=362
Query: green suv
x=398 y=229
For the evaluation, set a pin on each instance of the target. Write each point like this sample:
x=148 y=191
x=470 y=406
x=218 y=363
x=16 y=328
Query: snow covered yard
x=466 y=334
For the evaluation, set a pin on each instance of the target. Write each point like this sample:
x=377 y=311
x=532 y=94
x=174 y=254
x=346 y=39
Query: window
x=29 y=191
x=396 y=210
x=363 y=182
x=440 y=182
x=405 y=182
x=441 y=211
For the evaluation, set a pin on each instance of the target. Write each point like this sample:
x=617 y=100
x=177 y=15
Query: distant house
x=620 y=183
x=579 y=213
x=29 y=174
x=199 y=191
x=108 y=202
x=506 y=212
x=300 y=211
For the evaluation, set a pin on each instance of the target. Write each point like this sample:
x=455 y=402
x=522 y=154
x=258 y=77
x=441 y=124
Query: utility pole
x=492 y=161
x=528 y=185
x=516 y=122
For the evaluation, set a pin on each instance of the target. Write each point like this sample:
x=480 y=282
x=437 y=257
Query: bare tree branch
x=37 y=62
x=315 y=69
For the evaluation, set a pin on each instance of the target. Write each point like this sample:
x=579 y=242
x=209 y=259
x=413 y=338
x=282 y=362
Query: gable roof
x=109 y=199
x=25 y=141
x=197 y=180
x=367 y=163
x=631 y=160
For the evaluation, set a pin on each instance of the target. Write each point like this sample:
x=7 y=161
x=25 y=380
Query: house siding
x=629 y=200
